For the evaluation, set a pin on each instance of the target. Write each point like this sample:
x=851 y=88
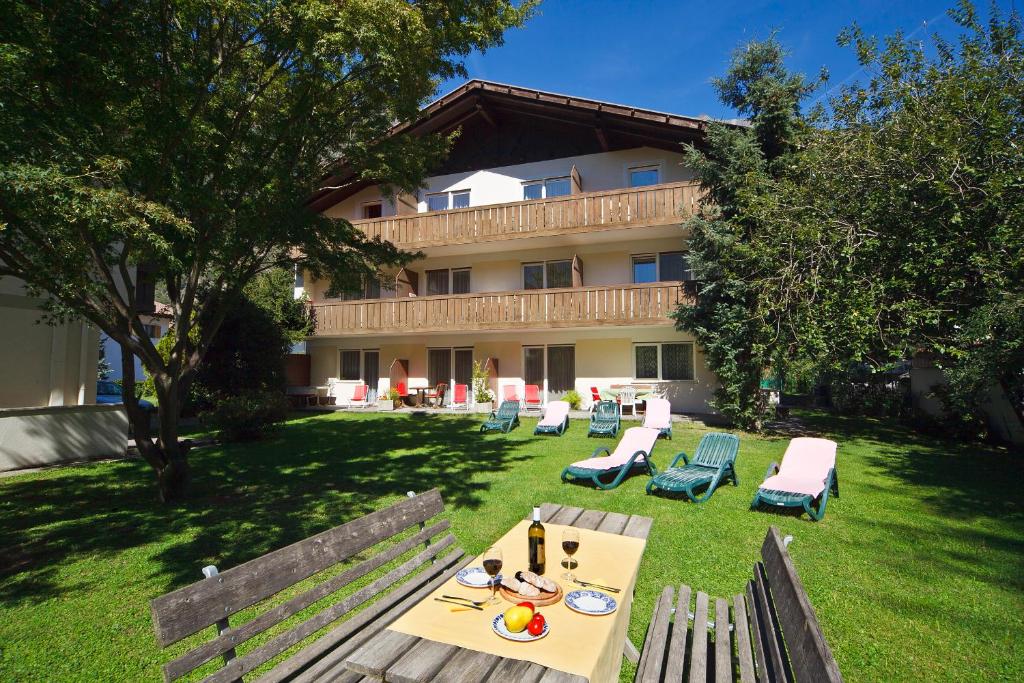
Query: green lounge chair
x=807 y=474
x=556 y=419
x=504 y=419
x=605 y=419
x=713 y=463
x=632 y=452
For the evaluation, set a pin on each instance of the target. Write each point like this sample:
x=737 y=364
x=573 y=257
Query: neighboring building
x=552 y=246
x=49 y=388
x=156 y=323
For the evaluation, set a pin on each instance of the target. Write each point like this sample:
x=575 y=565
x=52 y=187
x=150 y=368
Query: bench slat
x=421 y=663
x=233 y=636
x=547 y=511
x=699 y=646
x=768 y=627
x=638 y=526
x=326 y=651
x=760 y=657
x=193 y=608
x=279 y=644
x=676 y=662
x=723 y=645
x=567 y=515
x=517 y=670
x=742 y=634
x=552 y=676
x=653 y=657
x=374 y=658
x=613 y=523
x=809 y=654
x=469 y=666
x=589 y=519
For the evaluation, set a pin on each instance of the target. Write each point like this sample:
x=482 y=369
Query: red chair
x=510 y=394
x=403 y=392
x=359 y=396
x=532 y=397
x=460 y=397
x=595 y=398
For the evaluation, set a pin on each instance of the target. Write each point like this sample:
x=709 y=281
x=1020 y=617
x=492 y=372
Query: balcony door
x=552 y=368
x=439 y=366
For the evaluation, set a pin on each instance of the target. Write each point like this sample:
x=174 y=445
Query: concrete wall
x=36 y=437
x=603 y=171
x=1001 y=418
x=43 y=365
x=603 y=357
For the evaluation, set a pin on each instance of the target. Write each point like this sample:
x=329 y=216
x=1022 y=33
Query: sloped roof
x=614 y=125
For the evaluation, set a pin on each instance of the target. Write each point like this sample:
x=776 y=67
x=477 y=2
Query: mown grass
x=916 y=572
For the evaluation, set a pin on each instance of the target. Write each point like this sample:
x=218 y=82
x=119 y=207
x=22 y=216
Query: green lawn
x=916 y=572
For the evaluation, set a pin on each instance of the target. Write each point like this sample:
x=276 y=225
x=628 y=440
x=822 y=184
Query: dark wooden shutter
x=145 y=288
x=577 y=271
x=575 y=181
x=406 y=283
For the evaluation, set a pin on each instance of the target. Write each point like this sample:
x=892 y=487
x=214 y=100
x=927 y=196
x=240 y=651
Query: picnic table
x=462 y=646
x=643 y=392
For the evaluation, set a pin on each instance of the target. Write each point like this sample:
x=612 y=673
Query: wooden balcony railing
x=585 y=212
x=646 y=304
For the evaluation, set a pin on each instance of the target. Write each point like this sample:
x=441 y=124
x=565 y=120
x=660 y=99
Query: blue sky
x=660 y=54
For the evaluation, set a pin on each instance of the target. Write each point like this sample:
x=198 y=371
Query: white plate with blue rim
x=594 y=603
x=475 y=577
x=524 y=636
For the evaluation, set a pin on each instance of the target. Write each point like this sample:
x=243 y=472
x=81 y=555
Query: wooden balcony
x=584 y=212
x=647 y=304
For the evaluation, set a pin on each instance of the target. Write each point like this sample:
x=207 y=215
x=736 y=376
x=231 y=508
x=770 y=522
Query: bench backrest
x=716 y=449
x=508 y=410
x=606 y=411
x=213 y=600
x=788 y=640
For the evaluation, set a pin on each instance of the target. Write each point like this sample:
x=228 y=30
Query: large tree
x=183 y=135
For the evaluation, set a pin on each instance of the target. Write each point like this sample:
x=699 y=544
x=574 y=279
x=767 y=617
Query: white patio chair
x=627 y=397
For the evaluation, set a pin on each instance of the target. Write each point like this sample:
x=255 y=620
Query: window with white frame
x=671 y=361
x=547 y=274
x=360 y=364
x=640 y=176
x=667 y=266
x=547 y=187
x=444 y=281
x=442 y=201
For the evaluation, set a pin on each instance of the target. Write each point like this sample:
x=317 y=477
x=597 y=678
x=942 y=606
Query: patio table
x=429 y=642
x=641 y=395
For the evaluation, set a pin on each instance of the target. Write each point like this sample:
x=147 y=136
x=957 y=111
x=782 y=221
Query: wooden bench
x=410 y=575
x=770 y=634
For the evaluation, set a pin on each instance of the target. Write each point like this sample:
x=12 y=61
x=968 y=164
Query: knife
x=460 y=604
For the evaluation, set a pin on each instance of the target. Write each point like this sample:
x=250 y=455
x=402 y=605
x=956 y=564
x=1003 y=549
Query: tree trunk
x=166 y=456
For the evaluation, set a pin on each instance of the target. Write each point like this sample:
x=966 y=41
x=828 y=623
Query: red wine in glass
x=492 y=565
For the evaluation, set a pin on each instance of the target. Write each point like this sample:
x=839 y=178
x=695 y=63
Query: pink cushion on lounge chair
x=555 y=415
x=634 y=439
x=659 y=414
x=804 y=467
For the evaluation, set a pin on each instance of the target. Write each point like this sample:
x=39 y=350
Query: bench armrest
x=599 y=449
x=682 y=456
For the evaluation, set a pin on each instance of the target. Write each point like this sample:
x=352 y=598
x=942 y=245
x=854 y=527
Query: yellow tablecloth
x=585 y=645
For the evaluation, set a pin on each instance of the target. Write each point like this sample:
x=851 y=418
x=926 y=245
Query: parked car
x=108 y=392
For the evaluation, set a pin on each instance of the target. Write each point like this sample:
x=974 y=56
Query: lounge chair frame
x=797 y=500
x=503 y=419
x=552 y=429
x=714 y=462
x=603 y=424
x=576 y=474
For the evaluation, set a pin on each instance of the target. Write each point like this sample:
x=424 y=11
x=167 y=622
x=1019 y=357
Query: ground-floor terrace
x=555 y=360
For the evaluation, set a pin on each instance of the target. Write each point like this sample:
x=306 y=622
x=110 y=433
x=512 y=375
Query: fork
x=456 y=597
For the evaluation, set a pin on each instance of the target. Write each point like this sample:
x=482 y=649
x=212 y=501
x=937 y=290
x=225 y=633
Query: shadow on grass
x=245 y=499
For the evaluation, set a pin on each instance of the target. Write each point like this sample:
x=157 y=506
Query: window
x=350 y=365
x=548 y=187
x=672 y=361
x=439 y=366
x=442 y=201
x=533 y=365
x=462 y=371
x=372 y=289
x=153 y=331
x=371 y=369
x=643 y=175
x=645 y=269
x=549 y=274
x=437 y=282
x=556 y=363
x=673 y=265
x=460 y=281
x=663 y=267
x=373 y=210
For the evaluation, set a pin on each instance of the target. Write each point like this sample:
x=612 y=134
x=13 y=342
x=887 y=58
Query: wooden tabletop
x=394 y=656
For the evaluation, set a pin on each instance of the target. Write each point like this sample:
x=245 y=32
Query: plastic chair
x=532 y=397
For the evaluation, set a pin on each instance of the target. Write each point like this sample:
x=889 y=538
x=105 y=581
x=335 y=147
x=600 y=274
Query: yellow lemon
x=517 y=618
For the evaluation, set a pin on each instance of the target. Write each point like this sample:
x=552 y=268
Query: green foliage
x=393 y=395
x=246 y=416
x=185 y=137
x=573 y=398
x=481 y=379
x=274 y=293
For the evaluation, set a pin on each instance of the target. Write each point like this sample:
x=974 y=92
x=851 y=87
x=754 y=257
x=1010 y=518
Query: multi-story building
x=553 y=249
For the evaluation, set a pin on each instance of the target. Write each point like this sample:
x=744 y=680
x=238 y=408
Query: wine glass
x=492 y=565
x=570 y=544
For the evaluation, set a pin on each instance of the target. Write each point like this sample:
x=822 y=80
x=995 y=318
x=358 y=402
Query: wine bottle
x=536 y=536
